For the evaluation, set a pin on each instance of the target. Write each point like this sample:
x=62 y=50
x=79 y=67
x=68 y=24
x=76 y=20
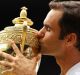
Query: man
x=59 y=37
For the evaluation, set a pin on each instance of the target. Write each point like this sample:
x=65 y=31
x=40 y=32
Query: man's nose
x=40 y=34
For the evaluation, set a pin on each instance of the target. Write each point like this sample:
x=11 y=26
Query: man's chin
x=43 y=51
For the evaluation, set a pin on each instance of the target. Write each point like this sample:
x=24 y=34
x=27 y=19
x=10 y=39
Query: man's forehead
x=53 y=15
x=55 y=12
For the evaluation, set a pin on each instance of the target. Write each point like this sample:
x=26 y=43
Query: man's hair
x=70 y=21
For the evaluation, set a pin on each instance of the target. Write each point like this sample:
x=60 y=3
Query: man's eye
x=48 y=29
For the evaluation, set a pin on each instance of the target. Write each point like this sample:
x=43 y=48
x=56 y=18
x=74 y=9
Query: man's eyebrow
x=46 y=25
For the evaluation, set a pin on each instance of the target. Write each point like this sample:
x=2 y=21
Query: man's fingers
x=15 y=48
x=7 y=56
x=5 y=63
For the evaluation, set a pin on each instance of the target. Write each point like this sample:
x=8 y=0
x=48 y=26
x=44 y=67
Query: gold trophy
x=23 y=35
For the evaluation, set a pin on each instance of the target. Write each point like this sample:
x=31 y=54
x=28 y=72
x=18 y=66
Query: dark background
x=9 y=9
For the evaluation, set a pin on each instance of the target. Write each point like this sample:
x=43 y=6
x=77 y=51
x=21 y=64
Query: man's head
x=61 y=27
x=70 y=21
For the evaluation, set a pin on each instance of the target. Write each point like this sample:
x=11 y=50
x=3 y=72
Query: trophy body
x=23 y=35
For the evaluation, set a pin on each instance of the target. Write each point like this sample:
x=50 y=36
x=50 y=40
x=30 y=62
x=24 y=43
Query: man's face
x=49 y=34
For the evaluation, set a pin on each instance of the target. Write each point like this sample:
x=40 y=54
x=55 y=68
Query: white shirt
x=38 y=64
x=75 y=70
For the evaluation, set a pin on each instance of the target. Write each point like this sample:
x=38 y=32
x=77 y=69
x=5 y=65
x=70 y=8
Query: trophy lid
x=23 y=17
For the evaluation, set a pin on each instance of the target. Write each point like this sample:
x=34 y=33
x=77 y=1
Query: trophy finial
x=23 y=18
x=23 y=13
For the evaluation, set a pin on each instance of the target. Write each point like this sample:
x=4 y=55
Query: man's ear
x=71 y=39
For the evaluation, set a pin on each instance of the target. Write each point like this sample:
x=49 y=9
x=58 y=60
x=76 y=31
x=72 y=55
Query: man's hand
x=20 y=65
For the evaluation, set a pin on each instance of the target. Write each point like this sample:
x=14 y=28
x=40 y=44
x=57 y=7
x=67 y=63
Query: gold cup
x=23 y=35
